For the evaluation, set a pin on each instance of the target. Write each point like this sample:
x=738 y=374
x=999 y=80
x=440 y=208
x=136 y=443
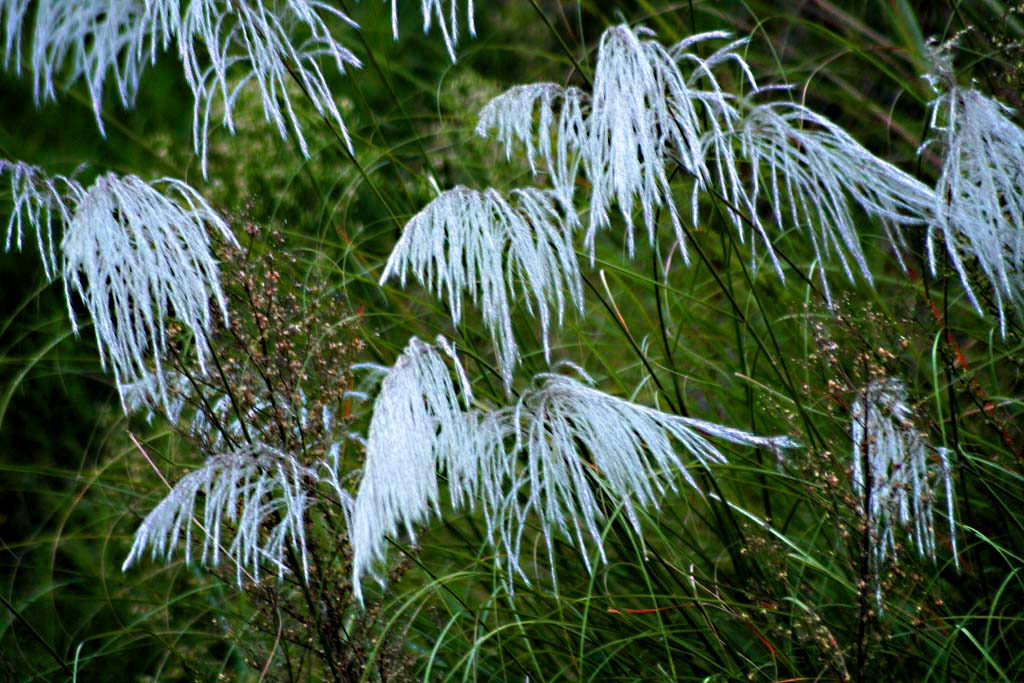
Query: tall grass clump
x=669 y=343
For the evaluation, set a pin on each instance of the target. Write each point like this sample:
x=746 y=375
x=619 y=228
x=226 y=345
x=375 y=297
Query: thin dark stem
x=748 y=392
x=954 y=410
x=656 y=275
x=458 y=598
x=326 y=639
x=565 y=48
x=779 y=366
x=231 y=396
x=205 y=404
x=271 y=394
x=391 y=92
x=632 y=342
x=622 y=531
x=747 y=221
x=346 y=148
x=35 y=634
x=865 y=554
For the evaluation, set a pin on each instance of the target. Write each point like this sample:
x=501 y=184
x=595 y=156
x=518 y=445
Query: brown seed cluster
x=281 y=375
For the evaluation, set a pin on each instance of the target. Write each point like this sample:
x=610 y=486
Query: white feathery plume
x=479 y=472
x=417 y=423
x=641 y=113
x=703 y=68
x=87 y=41
x=258 y=489
x=894 y=472
x=223 y=45
x=544 y=457
x=980 y=194
x=331 y=468
x=143 y=256
x=434 y=9
x=481 y=243
x=39 y=199
x=511 y=114
x=136 y=257
x=576 y=438
x=12 y=17
x=644 y=115
x=217 y=427
x=257 y=45
x=811 y=171
x=721 y=115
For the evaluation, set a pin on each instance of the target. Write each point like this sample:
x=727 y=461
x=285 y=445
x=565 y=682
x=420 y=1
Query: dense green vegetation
x=767 y=573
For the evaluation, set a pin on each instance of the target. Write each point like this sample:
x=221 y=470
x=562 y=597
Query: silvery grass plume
x=258 y=490
x=570 y=438
x=576 y=440
x=812 y=172
x=417 y=422
x=558 y=143
x=137 y=255
x=654 y=107
x=721 y=116
x=255 y=41
x=980 y=194
x=497 y=250
x=72 y=41
x=643 y=116
x=642 y=113
x=223 y=45
x=894 y=473
x=40 y=201
x=12 y=17
x=434 y=9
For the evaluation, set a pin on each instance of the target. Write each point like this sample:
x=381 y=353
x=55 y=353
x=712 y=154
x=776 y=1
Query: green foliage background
x=710 y=595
